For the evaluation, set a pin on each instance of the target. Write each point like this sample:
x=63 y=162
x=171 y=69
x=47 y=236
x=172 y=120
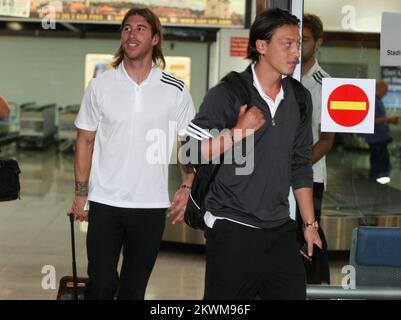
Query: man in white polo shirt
x=317 y=269
x=127 y=127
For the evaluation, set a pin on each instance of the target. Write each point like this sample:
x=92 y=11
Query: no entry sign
x=348 y=105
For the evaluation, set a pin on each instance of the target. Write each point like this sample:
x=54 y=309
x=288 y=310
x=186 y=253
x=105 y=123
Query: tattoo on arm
x=81 y=188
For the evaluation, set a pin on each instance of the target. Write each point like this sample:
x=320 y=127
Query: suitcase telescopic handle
x=74 y=262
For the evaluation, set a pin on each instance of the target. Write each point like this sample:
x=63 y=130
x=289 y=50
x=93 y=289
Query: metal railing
x=365 y=292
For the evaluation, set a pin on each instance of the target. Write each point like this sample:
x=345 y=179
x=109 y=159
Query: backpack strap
x=300 y=96
x=238 y=86
x=242 y=91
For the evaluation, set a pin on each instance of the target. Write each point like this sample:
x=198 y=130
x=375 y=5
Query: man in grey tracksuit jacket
x=251 y=246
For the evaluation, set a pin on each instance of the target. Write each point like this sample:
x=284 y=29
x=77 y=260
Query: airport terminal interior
x=44 y=73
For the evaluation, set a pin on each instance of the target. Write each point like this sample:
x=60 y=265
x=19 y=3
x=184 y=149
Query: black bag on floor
x=72 y=287
x=9 y=179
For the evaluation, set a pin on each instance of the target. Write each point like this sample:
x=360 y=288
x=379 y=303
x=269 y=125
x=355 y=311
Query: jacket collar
x=248 y=76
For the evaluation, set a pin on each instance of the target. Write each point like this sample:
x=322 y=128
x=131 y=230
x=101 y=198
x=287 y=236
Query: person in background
x=378 y=141
x=317 y=269
x=4 y=109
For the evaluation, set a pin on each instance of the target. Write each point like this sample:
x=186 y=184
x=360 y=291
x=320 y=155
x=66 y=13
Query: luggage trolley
x=66 y=129
x=9 y=126
x=37 y=125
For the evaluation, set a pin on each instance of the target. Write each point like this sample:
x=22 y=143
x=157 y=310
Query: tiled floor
x=34 y=232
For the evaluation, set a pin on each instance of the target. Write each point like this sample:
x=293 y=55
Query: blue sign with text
x=392 y=76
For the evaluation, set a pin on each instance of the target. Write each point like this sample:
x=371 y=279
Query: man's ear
x=318 y=44
x=155 y=39
x=260 y=46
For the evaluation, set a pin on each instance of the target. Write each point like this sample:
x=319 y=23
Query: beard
x=307 y=56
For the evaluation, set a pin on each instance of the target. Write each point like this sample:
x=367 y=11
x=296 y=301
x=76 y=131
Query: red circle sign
x=348 y=105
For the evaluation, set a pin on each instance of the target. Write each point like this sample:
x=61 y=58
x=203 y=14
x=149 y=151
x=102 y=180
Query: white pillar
x=297 y=9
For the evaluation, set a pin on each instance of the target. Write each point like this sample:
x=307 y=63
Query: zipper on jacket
x=273 y=120
x=271 y=117
x=268 y=110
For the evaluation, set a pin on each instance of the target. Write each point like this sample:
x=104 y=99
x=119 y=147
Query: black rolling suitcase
x=72 y=288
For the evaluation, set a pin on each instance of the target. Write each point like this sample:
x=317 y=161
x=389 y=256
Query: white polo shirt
x=312 y=80
x=273 y=104
x=136 y=129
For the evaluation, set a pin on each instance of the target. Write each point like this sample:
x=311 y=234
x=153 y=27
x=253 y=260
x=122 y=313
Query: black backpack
x=205 y=173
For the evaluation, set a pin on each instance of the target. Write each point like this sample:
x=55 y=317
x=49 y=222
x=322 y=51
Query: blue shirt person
x=378 y=141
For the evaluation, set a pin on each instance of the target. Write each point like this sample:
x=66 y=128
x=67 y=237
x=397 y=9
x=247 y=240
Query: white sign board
x=297 y=8
x=96 y=64
x=348 y=105
x=15 y=8
x=390 y=40
x=230 y=53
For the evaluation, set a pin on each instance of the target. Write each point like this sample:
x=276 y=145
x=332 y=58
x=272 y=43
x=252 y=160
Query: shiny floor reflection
x=34 y=231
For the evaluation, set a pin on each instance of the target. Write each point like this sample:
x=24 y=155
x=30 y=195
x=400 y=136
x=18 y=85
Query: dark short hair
x=265 y=25
x=153 y=20
x=314 y=24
